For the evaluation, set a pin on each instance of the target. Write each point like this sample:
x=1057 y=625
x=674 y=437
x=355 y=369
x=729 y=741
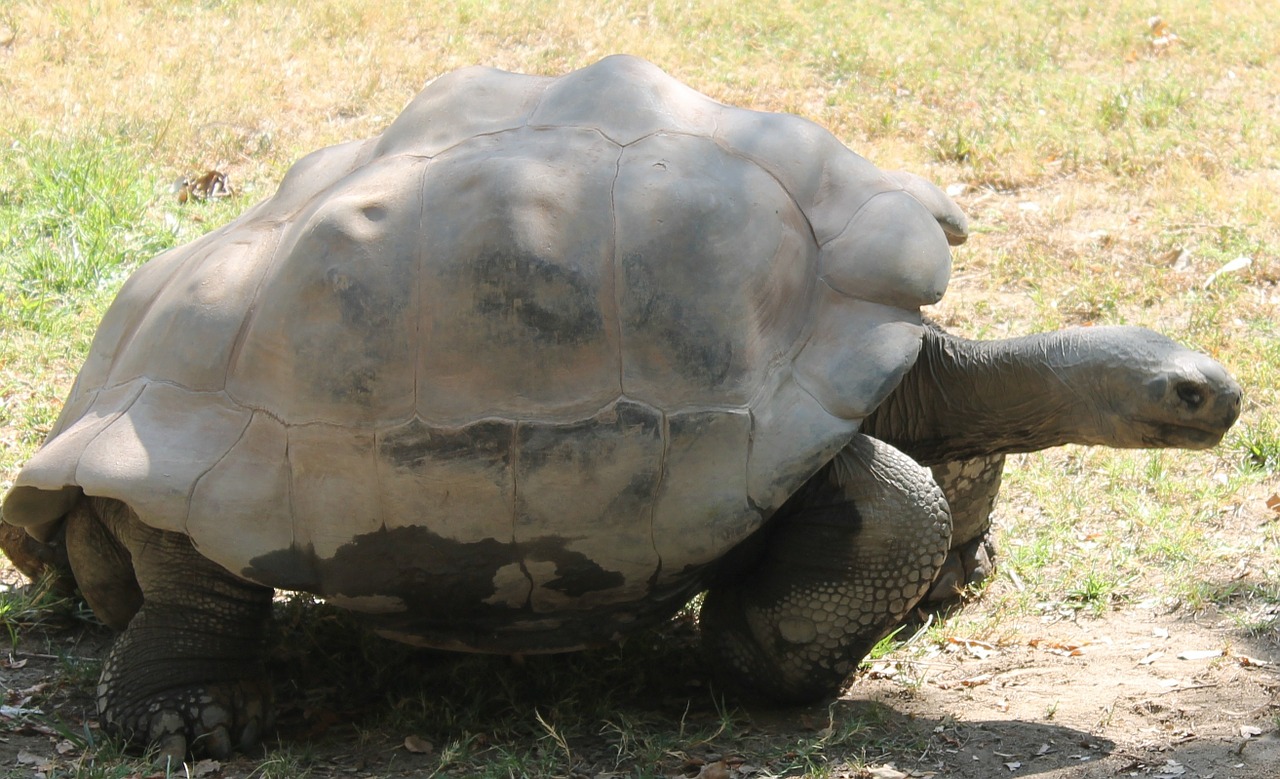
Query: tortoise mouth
x=1183 y=436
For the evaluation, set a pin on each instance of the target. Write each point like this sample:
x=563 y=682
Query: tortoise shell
x=545 y=349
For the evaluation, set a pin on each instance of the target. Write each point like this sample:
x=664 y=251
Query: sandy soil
x=1135 y=692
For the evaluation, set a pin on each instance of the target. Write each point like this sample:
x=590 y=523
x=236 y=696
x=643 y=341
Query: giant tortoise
x=529 y=370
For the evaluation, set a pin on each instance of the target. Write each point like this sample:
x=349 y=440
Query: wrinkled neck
x=967 y=398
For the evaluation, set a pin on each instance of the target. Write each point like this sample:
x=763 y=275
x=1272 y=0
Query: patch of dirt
x=1136 y=692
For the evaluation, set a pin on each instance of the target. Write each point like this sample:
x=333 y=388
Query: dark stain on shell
x=444 y=584
x=692 y=337
x=558 y=443
x=554 y=303
x=415 y=445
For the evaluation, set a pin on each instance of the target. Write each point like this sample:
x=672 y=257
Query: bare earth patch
x=1139 y=691
x=1111 y=696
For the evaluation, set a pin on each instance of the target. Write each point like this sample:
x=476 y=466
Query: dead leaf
x=1178 y=257
x=1249 y=731
x=886 y=771
x=1162 y=35
x=979 y=649
x=1199 y=654
x=1238 y=264
x=1247 y=661
x=1273 y=503
x=28 y=758
x=33 y=690
x=1043 y=750
x=1170 y=770
x=1151 y=658
x=1014 y=766
x=974 y=681
x=205 y=767
x=716 y=770
x=210 y=184
x=11 y=663
x=418 y=746
x=1064 y=648
x=65 y=747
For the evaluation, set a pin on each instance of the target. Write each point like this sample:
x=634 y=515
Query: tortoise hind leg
x=37 y=559
x=187 y=672
x=847 y=558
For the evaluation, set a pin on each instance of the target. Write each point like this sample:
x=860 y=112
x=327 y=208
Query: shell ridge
x=854 y=215
x=251 y=309
x=126 y=338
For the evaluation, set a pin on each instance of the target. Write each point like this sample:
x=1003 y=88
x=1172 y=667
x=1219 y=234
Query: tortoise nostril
x=1192 y=394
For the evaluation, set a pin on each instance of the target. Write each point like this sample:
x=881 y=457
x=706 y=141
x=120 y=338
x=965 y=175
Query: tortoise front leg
x=847 y=557
x=187 y=672
x=971 y=487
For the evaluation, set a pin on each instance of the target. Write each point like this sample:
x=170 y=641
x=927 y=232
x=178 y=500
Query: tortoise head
x=1151 y=392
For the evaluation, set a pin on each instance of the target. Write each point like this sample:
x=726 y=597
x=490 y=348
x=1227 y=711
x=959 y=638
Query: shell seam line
x=857 y=211
x=378 y=479
x=616 y=267
x=419 y=339
x=251 y=311
x=657 y=492
x=115 y=418
x=436 y=154
x=195 y=483
x=732 y=152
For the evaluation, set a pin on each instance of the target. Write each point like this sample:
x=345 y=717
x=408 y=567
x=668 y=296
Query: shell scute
x=716 y=266
x=325 y=333
x=517 y=313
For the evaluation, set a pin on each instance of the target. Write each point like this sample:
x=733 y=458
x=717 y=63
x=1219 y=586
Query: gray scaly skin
x=971 y=487
x=843 y=561
x=966 y=404
x=187 y=671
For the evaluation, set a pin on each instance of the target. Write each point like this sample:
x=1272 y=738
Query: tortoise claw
x=172 y=753
x=966 y=566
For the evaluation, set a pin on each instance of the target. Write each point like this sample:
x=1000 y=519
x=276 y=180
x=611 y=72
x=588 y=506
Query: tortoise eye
x=1191 y=394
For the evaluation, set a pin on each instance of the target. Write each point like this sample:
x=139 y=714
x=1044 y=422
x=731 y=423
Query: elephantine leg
x=847 y=557
x=36 y=559
x=971 y=487
x=187 y=672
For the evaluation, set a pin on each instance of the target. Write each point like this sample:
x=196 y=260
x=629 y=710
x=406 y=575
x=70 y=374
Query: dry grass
x=1110 y=166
